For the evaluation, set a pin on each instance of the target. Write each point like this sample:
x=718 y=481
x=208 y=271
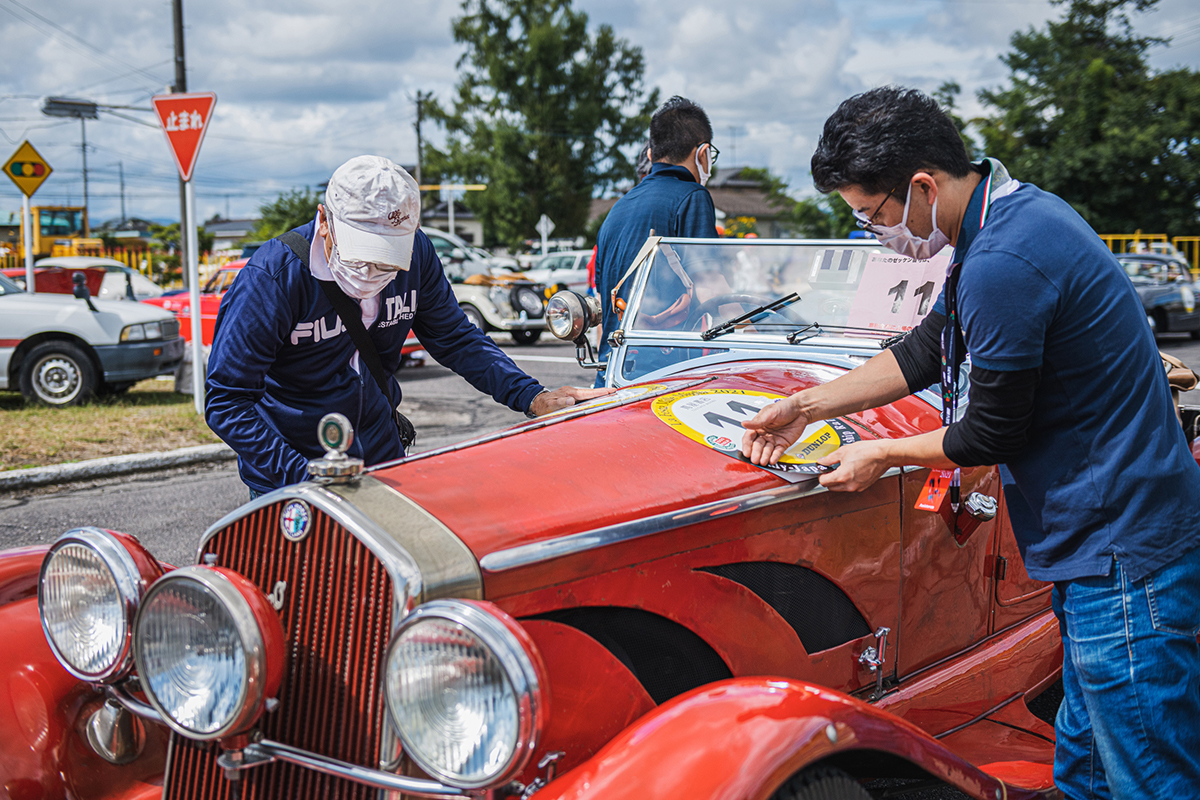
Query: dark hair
x=643 y=162
x=677 y=127
x=879 y=139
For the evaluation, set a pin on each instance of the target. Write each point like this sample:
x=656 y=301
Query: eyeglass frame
x=867 y=223
x=713 y=153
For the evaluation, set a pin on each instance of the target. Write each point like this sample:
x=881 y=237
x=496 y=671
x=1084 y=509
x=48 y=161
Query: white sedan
x=60 y=350
x=563 y=270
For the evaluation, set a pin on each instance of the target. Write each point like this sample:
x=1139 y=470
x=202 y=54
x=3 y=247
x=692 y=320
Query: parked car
x=121 y=282
x=494 y=298
x=566 y=270
x=1168 y=294
x=506 y=302
x=461 y=259
x=56 y=280
x=604 y=603
x=179 y=302
x=60 y=350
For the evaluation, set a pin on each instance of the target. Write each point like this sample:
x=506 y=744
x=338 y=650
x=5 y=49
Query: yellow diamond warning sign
x=27 y=169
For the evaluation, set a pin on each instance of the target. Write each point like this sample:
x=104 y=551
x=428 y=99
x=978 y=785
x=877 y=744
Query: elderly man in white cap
x=283 y=356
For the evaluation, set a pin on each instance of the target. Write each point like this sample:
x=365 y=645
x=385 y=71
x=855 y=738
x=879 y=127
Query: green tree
x=810 y=218
x=166 y=237
x=289 y=210
x=1084 y=117
x=544 y=114
x=947 y=97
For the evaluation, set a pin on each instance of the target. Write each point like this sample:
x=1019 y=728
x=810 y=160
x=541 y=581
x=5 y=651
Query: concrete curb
x=113 y=466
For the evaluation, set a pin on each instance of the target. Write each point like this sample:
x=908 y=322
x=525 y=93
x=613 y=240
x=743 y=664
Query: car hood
x=538 y=275
x=613 y=466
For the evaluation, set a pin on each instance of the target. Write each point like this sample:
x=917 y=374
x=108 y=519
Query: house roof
x=745 y=203
x=442 y=211
x=230 y=227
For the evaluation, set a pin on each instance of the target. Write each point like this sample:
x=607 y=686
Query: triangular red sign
x=184 y=119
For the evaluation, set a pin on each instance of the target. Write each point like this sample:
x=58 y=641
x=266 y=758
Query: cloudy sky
x=303 y=85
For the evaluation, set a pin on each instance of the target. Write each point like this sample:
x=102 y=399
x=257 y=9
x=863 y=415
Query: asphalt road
x=170 y=511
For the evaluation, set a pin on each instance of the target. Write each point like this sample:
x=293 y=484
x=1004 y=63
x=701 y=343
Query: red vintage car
x=606 y=602
x=180 y=304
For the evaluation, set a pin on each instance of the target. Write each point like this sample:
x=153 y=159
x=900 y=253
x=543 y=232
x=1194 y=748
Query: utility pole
x=83 y=149
x=179 y=87
x=121 y=172
x=422 y=99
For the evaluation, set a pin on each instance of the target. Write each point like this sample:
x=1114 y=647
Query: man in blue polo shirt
x=282 y=358
x=1068 y=394
x=671 y=201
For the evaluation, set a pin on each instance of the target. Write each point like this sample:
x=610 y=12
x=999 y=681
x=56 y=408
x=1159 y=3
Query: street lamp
x=83 y=109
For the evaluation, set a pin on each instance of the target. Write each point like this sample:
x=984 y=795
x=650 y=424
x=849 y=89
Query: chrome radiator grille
x=336 y=616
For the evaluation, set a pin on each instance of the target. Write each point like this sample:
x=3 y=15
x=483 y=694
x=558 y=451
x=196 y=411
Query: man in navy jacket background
x=281 y=358
x=671 y=201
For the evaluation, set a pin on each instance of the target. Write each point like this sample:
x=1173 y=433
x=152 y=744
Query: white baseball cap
x=375 y=207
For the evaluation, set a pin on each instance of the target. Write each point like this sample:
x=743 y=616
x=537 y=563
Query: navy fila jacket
x=280 y=361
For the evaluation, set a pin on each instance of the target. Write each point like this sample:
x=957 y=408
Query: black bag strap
x=348 y=310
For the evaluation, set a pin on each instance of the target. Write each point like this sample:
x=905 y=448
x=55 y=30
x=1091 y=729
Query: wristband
x=529 y=411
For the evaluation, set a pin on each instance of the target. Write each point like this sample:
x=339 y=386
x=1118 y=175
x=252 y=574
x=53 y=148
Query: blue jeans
x=1129 y=724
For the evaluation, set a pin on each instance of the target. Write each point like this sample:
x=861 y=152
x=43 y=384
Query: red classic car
x=642 y=614
x=180 y=304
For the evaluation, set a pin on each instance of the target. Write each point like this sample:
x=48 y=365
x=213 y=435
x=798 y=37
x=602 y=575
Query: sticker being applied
x=714 y=417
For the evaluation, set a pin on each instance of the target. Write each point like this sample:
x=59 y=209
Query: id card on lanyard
x=954 y=348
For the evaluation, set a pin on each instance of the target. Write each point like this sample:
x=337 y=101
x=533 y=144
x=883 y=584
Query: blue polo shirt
x=668 y=201
x=1107 y=472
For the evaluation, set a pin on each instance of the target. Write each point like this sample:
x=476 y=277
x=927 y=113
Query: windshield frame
x=9 y=286
x=867 y=339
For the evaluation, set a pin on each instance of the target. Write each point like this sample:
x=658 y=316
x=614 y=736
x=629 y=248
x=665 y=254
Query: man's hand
x=858 y=465
x=772 y=431
x=565 y=397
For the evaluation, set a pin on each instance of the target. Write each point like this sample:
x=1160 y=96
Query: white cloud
x=305 y=84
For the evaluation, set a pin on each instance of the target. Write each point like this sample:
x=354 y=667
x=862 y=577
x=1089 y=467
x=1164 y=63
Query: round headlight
x=565 y=316
x=90 y=585
x=465 y=692
x=209 y=651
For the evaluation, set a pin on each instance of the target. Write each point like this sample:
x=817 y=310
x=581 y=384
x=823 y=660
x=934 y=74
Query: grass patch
x=151 y=416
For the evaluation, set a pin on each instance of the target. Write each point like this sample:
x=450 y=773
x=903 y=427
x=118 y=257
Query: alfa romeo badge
x=296 y=520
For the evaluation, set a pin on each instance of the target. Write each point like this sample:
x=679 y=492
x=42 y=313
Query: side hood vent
x=816 y=608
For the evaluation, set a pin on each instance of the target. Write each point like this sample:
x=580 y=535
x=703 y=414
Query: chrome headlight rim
x=523 y=668
x=252 y=693
x=572 y=305
x=130 y=582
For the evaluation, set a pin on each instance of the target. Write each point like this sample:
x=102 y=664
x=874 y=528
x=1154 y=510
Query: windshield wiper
x=728 y=325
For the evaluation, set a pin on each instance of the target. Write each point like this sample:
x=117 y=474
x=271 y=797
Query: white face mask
x=357 y=279
x=900 y=239
x=705 y=169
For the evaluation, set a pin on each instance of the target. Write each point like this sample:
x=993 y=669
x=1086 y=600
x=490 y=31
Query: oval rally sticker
x=714 y=417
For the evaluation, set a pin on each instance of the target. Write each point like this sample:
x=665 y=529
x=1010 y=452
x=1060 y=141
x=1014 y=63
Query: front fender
x=741 y=739
x=44 y=752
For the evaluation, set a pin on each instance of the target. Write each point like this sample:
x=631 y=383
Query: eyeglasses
x=867 y=221
x=713 y=152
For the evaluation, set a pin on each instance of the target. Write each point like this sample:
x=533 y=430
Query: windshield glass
x=8 y=287
x=848 y=288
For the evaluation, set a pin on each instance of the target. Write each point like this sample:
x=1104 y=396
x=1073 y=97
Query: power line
x=85 y=43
